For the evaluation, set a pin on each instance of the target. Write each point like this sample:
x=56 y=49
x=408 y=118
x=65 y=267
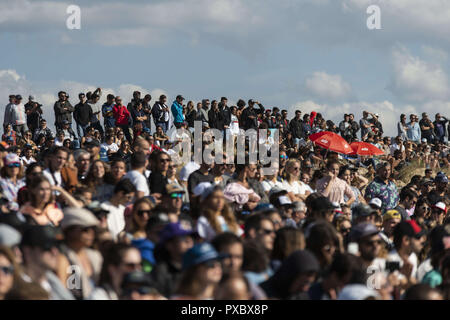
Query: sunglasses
x=284 y=157
x=87 y=229
x=142 y=212
x=132 y=265
x=267 y=231
x=176 y=195
x=164 y=160
x=14 y=165
x=7 y=269
x=345 y=230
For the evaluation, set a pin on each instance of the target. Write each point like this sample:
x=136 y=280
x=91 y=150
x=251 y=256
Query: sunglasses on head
x=7 y=269
x=176 y=195
x=14 y=165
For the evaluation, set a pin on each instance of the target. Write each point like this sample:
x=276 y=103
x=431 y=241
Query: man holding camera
x=427 y=128
x=63 y=110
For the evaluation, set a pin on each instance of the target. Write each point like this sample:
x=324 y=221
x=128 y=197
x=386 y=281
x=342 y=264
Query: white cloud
x=435 y=54
x=328 y=86
x=416 y=80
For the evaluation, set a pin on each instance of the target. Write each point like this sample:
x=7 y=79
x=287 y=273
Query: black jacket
x=83 y=113
x=63 y=111
x=251 y=123
x=215 y=119
x=295 y=126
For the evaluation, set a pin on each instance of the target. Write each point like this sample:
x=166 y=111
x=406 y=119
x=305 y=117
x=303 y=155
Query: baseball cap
x=363 y=230
x=9 y=236
x=180 y=97
x=424 y=140
x=276 y=190
x=12 y=159
x=391 y=214
x=362 y=210
x=78 y=217
x=200 y=253
x=441 y=177
x=31 y=98
x=408 y=228
x=201 y=187
x=18 y=97
x=65 y=122
x=440 y=206
x=173 y=230
x=186 y=171
x=43 y=237
x=376 y=202
x=97 y=208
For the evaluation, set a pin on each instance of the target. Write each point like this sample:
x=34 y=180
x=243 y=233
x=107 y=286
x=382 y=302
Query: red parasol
x=331 y=141
x=365 y=149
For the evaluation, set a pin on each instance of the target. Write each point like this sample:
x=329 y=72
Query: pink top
x=337 y=191
x=235 y=192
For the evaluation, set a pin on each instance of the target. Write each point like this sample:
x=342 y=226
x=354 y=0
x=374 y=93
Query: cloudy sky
x=295 y=54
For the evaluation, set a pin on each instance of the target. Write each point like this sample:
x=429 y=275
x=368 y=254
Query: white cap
x=284 y=200
x=186 y=171
x=78 y=217
x=441 y=205
x=377 y=202
x=9 y=237
x=424 y=140
x=201 y=188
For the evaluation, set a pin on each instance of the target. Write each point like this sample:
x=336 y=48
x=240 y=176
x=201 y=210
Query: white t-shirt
x=26 y=162
x=56 y=175
x=268 y=184
x=115 y=218
x=139 y=181
x=188 y=169
x=206 y=231
x=296 y=187
x=110 y=147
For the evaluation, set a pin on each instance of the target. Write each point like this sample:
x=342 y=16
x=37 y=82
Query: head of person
x=118 y=169
x=323 y=241
x=40 y=191
x=287 y=240
x=118 y=100
x=124 y=191
x=119 y=259
x=43 y=123
x=40 y=248
x=231 y=248
x=201 y=268
x=408 y=198
x=97 y=171
x=174 y=240
x=233 y=286
x=321 y=208
x=79 y=226
x=409 y=237
x=161 y=161
x=438 y=212
x=295 y=276
x=179 y=99
x=346 y=175
x=333 y=168
x=93 y=147
x=83 y=161
x=390 y=219
x=362 y=213
x=441 y=182
x=384 y=171
x=12 y=167
x=141 y=213
x=343 y=225
x=138 y=285
x=422 y=291
x=368 y=239
x=422 y=208
x=162 y=98
x=173 y=198
x=138 y=160
x=298 y=211
x=9 y=271
x=261 y=229
x=293 y=169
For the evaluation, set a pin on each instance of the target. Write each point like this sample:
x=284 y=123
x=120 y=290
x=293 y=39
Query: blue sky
x=295 y=54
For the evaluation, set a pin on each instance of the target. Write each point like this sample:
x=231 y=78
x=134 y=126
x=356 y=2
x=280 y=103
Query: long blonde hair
x=226 y=212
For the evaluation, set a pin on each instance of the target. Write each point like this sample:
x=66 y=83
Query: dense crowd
x=100 y=209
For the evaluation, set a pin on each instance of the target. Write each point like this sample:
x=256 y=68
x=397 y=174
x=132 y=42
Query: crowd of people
x=102 y=211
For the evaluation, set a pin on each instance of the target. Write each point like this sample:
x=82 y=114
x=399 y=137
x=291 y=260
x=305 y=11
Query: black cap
x=408 y=228
x=43 y=237
x=18 y=97
x=180 y=97
x=362 y=210
x=363 y=230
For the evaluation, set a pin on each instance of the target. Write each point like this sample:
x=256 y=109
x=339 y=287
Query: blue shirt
x=413 y=132
x=177 y=111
